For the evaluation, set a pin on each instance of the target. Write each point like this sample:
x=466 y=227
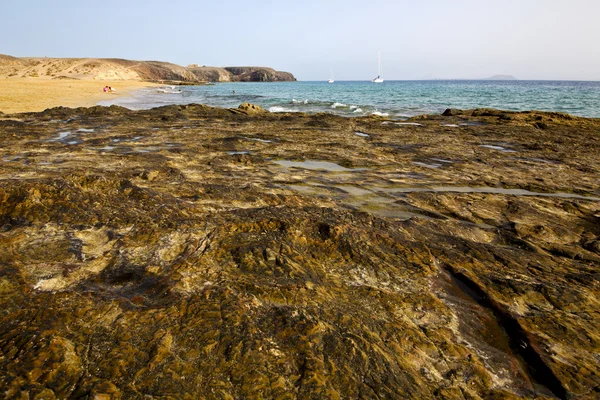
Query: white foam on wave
x=358 y=110
x=168 y=90
x=337 y=105
x=276 y=109
x=300 y=101
x=379 y=113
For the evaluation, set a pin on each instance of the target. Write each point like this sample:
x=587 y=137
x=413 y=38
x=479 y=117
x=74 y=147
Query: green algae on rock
x=168 y=253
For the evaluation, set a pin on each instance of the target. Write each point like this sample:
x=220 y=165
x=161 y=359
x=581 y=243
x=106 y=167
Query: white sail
x=331 y=79
x=379 y=78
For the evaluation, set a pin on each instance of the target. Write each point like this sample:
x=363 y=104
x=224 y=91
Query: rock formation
x=258 y=74
x=194 y=252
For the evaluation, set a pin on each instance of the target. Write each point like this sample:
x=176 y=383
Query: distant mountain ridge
x=111 y=69
x=501 y=78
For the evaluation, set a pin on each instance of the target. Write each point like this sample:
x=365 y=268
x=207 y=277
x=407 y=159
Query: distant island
x=500 y=78
x=122 y=70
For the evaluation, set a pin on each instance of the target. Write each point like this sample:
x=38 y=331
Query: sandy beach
x=35 y=94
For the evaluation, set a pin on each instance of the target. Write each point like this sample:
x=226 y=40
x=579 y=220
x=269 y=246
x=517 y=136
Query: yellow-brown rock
x=191 y=252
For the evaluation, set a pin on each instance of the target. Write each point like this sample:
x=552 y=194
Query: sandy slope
x=79 y=68
x=38 y=94
x=35 y=84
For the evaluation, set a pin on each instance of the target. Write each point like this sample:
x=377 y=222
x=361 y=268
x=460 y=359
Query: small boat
x=379 y=78
x=331 y=79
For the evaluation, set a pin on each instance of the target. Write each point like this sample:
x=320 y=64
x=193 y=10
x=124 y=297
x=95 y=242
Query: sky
x=426 y=39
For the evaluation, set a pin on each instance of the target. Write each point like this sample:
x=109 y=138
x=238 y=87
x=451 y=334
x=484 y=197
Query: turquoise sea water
x=396 y=99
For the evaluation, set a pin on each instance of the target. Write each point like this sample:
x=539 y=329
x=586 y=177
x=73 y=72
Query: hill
x=500 y=78
x=120 y=69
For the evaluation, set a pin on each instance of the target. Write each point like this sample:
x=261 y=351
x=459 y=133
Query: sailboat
x=379 y=78
x=331 y=79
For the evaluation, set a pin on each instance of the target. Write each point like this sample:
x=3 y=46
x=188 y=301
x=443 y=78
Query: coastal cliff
x=258 y=74
x=119 y=69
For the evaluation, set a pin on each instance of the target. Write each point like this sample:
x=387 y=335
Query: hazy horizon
x=468 y=39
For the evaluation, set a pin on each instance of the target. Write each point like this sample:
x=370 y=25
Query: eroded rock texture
x=191 y=252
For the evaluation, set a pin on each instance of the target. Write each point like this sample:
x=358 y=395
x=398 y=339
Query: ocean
x=394 y=99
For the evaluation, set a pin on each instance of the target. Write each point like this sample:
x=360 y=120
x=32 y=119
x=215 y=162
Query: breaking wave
x=280 y=109
x=338 y=105
x=379 y=113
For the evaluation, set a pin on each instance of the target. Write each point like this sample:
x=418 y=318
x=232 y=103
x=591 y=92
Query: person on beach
x=105 y=89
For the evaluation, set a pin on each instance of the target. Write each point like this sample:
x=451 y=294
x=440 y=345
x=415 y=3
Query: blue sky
x=530 y=39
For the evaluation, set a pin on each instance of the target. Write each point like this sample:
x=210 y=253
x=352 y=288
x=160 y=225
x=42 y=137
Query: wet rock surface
x=192 y=252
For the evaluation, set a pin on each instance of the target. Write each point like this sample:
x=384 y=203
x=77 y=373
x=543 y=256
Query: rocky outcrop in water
x=188 y=251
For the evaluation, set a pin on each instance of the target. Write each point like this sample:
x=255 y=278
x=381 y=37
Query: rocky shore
x=194 y=252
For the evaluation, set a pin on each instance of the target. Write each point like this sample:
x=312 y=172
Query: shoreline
x=20 y=95
x=364 y=99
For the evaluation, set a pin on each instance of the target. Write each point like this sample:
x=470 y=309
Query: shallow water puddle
x=147 y=149
x=61 y=136
x=499 y=148
x=106 y=148
x=408 y=123
x=260 y=140
x=316 y=165
x=361 y=134
x=473 y=123
x=384 y=207
x=443 y=160
x=85 y=130
x=14 y=158
x=489 y=190
x=339 y=191
x=540 y=160
x=357 y=198
x=120 y=149
x=354 y=190
x=426 y=165
x=232 y=153
x=311 y=189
